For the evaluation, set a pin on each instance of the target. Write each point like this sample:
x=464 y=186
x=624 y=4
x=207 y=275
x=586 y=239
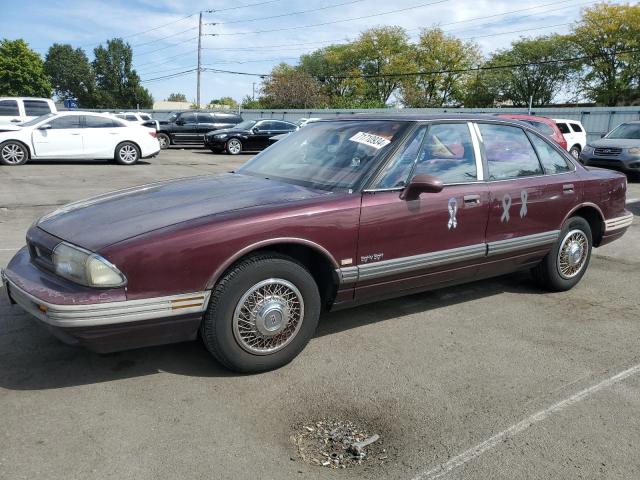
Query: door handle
x=75 y=134
x=472 y=200
x=15 y=120
x=567 y=188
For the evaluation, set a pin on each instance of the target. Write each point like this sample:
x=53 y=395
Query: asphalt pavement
x=489 y=380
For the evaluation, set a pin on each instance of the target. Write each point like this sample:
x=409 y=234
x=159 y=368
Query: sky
x=255 y=35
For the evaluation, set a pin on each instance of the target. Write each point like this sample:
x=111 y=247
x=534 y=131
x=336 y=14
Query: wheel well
x=21 y=143
x=320 y=267
x=592 y=216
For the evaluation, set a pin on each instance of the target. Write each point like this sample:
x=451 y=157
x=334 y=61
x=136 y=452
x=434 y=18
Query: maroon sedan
x=342 y=212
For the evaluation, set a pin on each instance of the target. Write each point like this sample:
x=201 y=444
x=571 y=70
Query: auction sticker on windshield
x=370 y=139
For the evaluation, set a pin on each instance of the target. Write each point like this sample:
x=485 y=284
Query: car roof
x=80 y=112
x=417 y=117
x=565 y=120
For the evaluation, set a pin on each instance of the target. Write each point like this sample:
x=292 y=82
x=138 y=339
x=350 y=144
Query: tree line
x=109 y=81
x=597 y=61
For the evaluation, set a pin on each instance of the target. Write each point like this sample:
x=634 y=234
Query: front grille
x=607 y=151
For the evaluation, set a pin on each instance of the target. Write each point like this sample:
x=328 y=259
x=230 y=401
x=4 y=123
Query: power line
x=164 y=48
x=174 y=75
x=516 y=31
x=158 y=27
x=390 y=12
x=165 y=70
x=163 y=38
x=300 y=12
x=243 y=6
x=164 y=61
x=434 y=72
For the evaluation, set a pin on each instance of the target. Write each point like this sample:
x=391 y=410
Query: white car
x=574 y=134
x=76 y=135
x=14 y=110
x=139 y=118
x=303 y=122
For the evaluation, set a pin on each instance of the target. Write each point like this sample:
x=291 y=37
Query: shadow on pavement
x=32 y=359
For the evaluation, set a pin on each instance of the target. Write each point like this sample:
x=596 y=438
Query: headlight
x=220 y=135
x=634 y=151
x=85 y=268
x=587 y=149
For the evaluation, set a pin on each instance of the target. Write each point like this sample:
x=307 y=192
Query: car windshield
x=246 y=125
x=626 y=131
x=327 y=155
x=37 y=120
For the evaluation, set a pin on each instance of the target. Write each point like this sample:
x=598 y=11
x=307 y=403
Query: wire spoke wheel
x=128 y=154
x=572 y=254
x=13 y=154
x=268 y=316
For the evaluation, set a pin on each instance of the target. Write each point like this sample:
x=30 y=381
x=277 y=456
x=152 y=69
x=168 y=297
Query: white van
x=574 y=134
x=21 y=109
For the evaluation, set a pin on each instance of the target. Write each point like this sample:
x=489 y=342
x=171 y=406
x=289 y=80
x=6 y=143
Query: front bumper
x=622 y=162
x=211 y=142
x=103 y=321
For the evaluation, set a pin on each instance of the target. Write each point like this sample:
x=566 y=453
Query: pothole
x=339 y=444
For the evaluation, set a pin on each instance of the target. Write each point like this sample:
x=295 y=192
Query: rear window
x=509 y=152
x=9 y=108
x=131 y=118
x=144 y=116
x=36 y=108
x=575 y=127
x=99 y=122
x=551 y=160
x=563 y=127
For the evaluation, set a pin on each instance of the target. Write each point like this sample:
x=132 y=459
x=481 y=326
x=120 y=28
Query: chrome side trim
x=619 y=222
x=476 y=151
x=110 y=313
x=347 y=275
x=520 y=243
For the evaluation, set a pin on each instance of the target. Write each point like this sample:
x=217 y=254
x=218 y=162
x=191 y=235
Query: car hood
x=616 y=142
x=107 y=219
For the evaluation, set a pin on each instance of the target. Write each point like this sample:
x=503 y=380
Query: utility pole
x=199 y=59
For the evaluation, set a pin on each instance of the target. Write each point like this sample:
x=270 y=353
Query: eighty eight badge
x=453 y=211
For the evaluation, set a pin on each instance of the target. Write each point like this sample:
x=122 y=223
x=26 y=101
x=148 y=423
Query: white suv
x=574 y=134
x=15 y=110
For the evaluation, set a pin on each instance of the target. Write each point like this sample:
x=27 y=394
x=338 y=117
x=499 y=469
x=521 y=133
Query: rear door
x=101 y=135
x=62 y=140
x=435 y=239
x=206 y=123
x=528 y=202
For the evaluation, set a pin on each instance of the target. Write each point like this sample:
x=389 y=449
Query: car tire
x=575 y=151
x=127 y=153
x=233 y=146
x=247 y=333
x=164 y=140
x=566 y=263
x=13 y=153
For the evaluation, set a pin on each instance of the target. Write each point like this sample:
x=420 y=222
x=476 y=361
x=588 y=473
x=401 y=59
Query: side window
x=287 y=127
x=551 y=160
x=98 y=122
x=265 y=126
x=575 y=127
x=9 y=108
x=131 y=118
x=144 y=116
x=563 y=127
x=188 y=117
x=509 y=152
x=396 y=173
x=68 y=121
x=448 y=154
x=36 y=108
x=205 y=118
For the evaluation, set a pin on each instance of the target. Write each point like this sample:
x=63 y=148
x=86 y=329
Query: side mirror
x=602 y=135
x=46 y=126
x=255 y=129
x=421 y=184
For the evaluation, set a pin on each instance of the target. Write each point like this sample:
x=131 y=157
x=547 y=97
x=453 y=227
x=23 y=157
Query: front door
x=186 y=128
x=62 y=140
x=437 y=238
x=531 y=191
x=260 y=138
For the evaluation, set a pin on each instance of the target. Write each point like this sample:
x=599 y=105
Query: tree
x=177 y=97
x=290 y=87
x=438 y=52
x=249 y=103
x=603 y=34
x=118 y=85
x=224 y=101
x=542 y=74
x=70 y=74
x=22 y=71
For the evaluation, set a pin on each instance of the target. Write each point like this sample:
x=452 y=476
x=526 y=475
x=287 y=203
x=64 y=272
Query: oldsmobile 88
x=340 y=213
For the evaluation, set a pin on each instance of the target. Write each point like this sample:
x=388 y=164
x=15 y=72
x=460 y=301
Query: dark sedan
x=619 y=149
x=250 y=135
x=341 y=213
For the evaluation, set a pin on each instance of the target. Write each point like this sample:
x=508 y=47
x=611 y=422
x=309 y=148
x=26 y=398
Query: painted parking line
x=633 y=200
x=474 y=452
x=10 y=249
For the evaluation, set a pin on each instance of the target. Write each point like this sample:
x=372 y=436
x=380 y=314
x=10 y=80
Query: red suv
x=544 y=125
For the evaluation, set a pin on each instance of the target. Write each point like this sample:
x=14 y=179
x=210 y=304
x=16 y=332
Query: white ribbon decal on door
x=453 y=210
x=523 y=208
x=506 y=205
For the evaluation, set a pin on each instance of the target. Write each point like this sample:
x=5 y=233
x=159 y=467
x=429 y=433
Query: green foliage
x=70 y=74
x=177 y=97
x=603 y=32
x=438 y=52
x=22 y=71
x=250 y=104
x=224 y=101
x=291 y=87
x=117 y=84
